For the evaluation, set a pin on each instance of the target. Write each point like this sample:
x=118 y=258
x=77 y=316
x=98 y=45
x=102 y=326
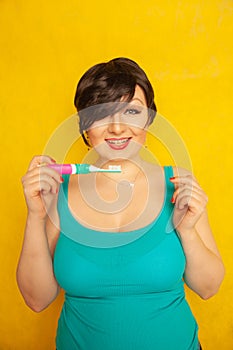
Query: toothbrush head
x=110 y=169
x=114 y=169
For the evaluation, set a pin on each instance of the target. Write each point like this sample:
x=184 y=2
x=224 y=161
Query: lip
x=118 y=143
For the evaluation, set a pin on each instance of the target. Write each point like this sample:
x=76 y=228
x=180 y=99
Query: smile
x=118 y=144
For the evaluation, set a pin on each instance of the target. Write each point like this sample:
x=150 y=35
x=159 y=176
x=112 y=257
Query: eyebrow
x=136 y=98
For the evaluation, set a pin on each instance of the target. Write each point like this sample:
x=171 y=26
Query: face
x=121 y=135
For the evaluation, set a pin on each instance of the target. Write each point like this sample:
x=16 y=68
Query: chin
x=106 y=152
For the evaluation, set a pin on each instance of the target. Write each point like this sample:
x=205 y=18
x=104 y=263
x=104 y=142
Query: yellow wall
x=186 y=49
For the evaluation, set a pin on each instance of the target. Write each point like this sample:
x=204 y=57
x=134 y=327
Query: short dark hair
x=109 y=82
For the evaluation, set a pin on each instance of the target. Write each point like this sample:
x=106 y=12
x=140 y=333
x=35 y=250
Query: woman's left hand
x=190 y=202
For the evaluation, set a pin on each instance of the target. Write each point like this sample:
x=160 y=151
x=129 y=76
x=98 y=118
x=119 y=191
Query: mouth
x=118 y=143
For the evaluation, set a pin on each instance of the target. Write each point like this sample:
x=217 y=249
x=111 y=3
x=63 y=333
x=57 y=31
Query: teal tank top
x=123 y=291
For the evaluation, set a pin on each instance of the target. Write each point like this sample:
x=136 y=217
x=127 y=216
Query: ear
x=86 y=139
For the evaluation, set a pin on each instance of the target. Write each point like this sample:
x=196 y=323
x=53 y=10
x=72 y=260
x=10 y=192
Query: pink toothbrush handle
x=62 y=168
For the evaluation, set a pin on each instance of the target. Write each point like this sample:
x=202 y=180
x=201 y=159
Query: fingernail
x=61 y=179
x=172 y=178
x=53 y=160
x=172 y=200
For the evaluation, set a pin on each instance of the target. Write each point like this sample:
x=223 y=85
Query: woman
x=128 y=294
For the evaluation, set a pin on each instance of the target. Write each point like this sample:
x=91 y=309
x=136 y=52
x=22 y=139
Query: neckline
x=108 y=239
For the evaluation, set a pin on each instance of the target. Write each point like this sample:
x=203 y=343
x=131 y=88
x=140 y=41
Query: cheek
x=141 y=136
x=96 y=136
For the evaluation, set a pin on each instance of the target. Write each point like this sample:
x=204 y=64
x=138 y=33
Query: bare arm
x=35 y=275
x=204 y=270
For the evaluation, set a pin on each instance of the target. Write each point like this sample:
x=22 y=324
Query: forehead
x=139 y=96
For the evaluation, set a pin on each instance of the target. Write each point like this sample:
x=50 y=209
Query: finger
x=198 y=194
x=38 y=171
x=186 y=183
x=45 y=170
x=33 y=189
x=184 y=180
x=196 y=191
x=53 y=184
x=38 y=160
x=34 y=184
x=184 y=198
x=45 y=188
x=193 y=205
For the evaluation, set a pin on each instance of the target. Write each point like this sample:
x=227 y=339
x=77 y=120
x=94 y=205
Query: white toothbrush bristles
x=110 y=169
x=114 y=168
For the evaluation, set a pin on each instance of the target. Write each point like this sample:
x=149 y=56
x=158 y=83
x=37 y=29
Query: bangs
x=106 y=89
x=100 y=94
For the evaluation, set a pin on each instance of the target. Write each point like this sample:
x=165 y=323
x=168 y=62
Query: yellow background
x=186 y=49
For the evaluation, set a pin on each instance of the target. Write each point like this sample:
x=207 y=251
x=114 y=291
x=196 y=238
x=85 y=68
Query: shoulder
x=158 y=170
x=178 y=171
x=150 y=168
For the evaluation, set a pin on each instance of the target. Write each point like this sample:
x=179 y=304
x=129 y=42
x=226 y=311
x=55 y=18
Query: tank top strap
x=169 y=207
x=65 y=185
x=168 y=172
x=63 y=194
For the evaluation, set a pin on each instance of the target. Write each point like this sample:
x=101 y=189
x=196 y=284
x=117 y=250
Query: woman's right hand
x=41 y=185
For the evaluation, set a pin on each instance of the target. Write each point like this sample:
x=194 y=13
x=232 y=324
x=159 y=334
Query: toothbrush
x=83 y=168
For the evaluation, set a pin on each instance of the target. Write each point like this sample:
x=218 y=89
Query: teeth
x=117 y=142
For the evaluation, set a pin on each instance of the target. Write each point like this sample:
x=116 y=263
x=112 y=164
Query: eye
x=132 y=111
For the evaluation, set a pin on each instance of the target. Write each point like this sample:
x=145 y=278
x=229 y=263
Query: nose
x=116 y=126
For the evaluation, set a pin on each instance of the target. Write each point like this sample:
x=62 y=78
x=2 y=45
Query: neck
x=128 y=166
x=131 y=168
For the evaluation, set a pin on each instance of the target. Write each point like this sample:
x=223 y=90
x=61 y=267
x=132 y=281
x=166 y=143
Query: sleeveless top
x=123 y=291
